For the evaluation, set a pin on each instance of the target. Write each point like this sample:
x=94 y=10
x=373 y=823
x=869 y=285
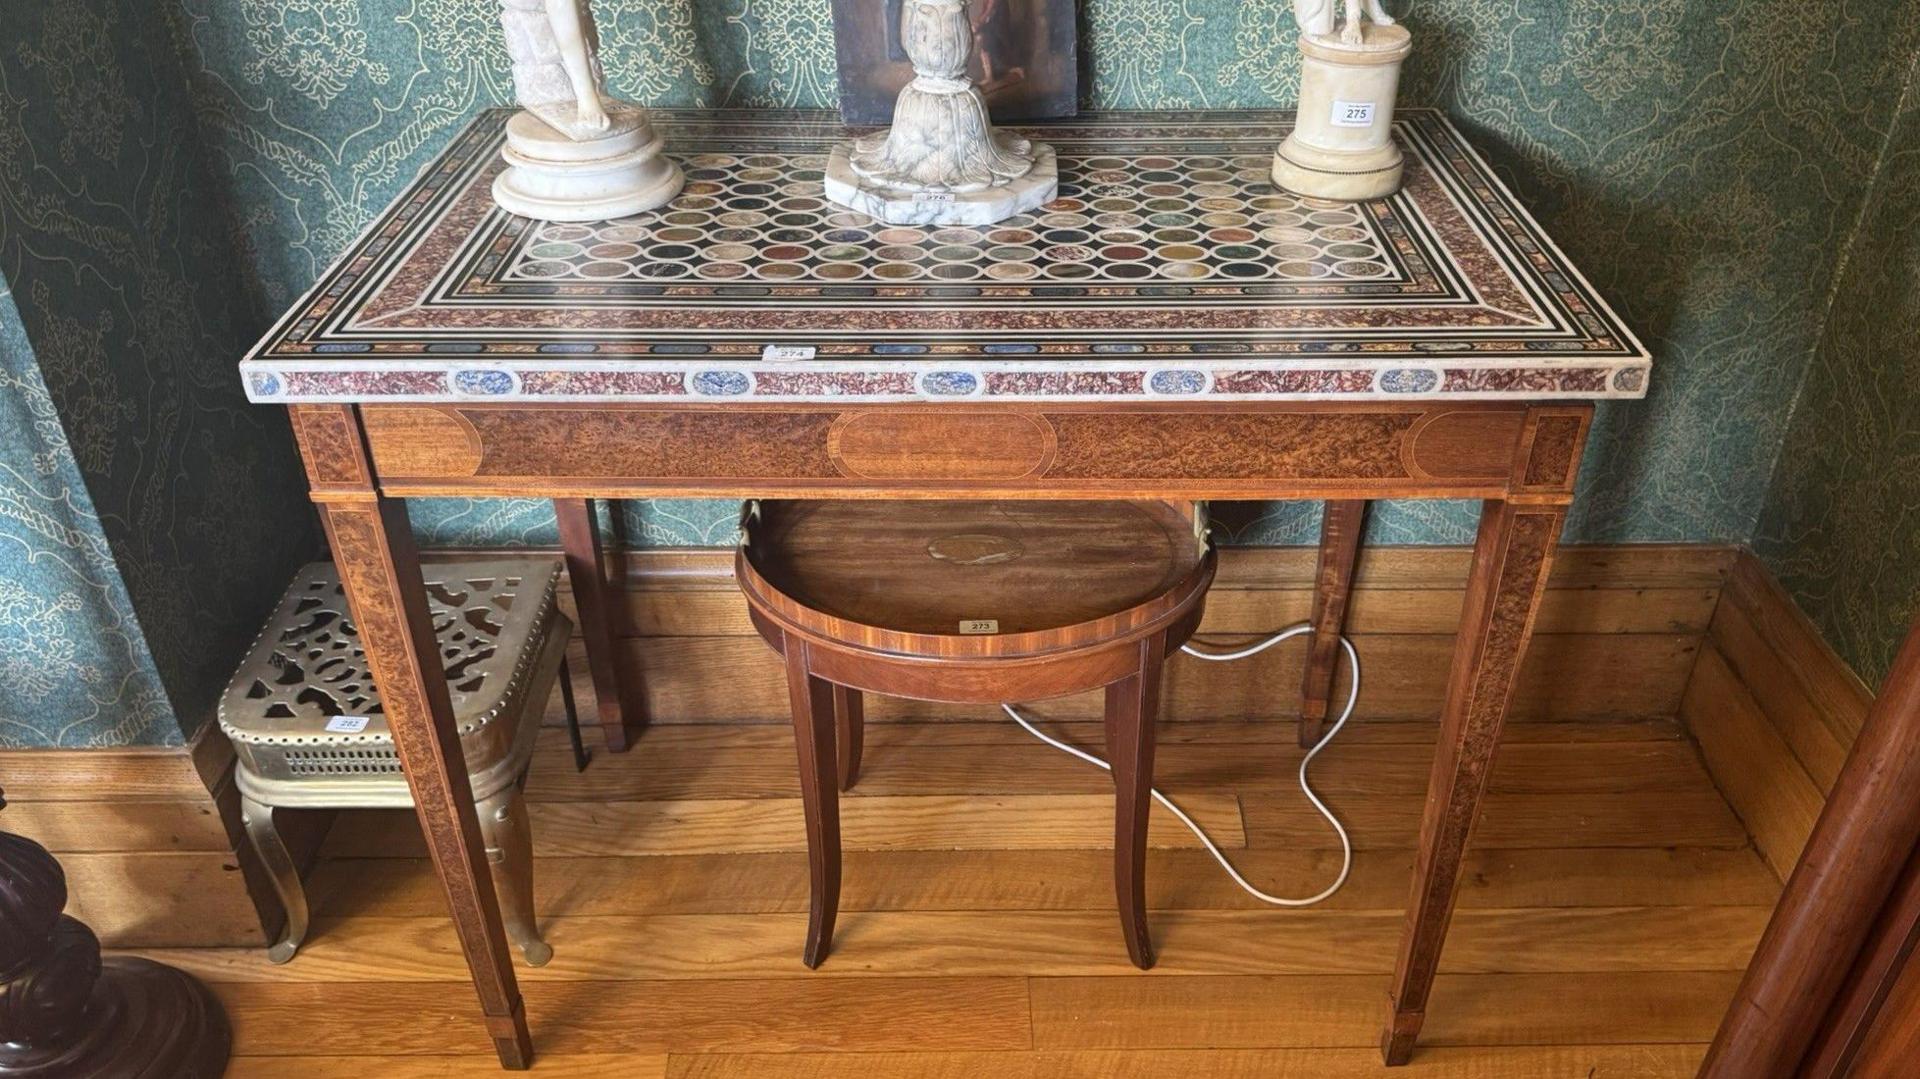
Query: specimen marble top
x=1169 y=268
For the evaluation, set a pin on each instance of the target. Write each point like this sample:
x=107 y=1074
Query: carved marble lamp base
x=555 y=178
x=906 y=206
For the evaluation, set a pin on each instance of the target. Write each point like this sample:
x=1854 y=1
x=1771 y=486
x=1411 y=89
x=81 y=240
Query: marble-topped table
x=1172 y=327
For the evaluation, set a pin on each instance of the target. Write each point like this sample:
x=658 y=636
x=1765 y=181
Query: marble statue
x=1316 y=19
x=1342 y=147
x=556 y=64
x=942 y=161
x=576 y=154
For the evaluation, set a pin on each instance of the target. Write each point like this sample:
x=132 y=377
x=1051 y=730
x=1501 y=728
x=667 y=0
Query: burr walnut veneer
x=1172 y=328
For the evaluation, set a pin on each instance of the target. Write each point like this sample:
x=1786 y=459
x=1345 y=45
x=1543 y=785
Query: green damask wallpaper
x=156 y=516
x=1842 y=522
x=74 y=666
x=1703 y=162
x=172 y=174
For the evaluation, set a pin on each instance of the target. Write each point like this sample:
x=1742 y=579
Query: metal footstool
x=308 y=729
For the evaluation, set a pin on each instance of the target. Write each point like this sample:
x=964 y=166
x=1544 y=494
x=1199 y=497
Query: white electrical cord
x=1346 y=845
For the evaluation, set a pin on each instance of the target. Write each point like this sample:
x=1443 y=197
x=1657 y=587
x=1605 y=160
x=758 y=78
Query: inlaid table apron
x=1172 y=327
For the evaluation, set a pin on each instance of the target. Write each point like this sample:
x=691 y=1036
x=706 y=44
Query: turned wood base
x=144 y=1019
x=65 y=1014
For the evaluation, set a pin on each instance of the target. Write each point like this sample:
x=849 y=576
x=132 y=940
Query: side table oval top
x=972 y=577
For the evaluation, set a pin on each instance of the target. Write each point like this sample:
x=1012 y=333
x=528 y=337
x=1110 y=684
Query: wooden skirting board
x=1619 y=632
x=1775 y=711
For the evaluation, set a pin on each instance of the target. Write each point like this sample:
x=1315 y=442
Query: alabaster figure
x=1342 y=144
x=576 y=154
x=1316 y=19
x=942 y=161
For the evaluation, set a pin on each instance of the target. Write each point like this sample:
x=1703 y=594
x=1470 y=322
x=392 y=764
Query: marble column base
x=901 y=206
x=1340 y=176
x=555 y=178
x=1342 y=148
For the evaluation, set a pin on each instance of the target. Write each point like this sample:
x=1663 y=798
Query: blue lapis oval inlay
x=721 y=383
x=492 y=383
x=266 y=384
x=949 y=383
x=1410 y=380
x=1177 y=382
x=1629 y=380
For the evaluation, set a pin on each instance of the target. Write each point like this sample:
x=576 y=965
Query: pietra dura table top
x=1170 y=268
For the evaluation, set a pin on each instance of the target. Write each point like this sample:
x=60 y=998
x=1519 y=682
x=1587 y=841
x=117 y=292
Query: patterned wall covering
x=112 y=237
x=1842 y=522
x=1704 y=162
x=74 y=667
x=1707 y=163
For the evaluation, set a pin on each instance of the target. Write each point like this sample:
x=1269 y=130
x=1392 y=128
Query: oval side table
x=973 y=602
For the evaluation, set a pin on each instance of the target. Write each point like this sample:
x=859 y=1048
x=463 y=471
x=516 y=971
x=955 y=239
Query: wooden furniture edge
x=1421 y=449
x=373 y=547
x=1848 y=907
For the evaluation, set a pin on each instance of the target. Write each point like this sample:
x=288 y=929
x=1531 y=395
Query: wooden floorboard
x=1609 y=902
x=1335 y=1011
x=757 y=771
x=1526 y=1062
x=1063 y=880
x=1523 y=1062
x=1021 y=943
x=768 y=1016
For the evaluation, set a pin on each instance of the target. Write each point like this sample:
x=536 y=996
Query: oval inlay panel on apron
x=940 y=444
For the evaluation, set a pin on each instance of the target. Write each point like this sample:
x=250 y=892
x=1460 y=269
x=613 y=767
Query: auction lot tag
x=1353 y=114
x=788 y=352
x=347 y=724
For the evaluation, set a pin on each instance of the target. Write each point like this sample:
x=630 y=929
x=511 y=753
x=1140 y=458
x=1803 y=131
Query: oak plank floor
x=1610 y=901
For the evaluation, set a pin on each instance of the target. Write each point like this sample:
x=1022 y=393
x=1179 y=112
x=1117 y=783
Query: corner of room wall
x=1845 y=489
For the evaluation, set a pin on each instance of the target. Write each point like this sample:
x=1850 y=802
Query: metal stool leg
x=504 y=826
x=580 y=754
x=273 y=854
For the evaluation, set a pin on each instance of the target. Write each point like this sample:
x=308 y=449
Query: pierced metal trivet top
x=305 y=681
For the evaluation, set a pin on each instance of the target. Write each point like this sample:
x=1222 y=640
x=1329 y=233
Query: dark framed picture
x=1026 y=58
